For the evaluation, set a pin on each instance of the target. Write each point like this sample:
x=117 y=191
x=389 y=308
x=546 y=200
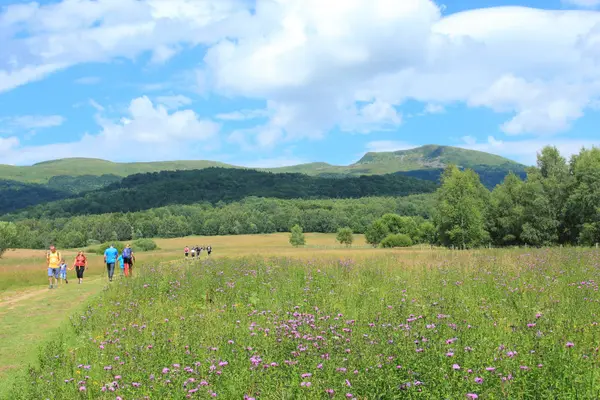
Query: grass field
x=327 y=322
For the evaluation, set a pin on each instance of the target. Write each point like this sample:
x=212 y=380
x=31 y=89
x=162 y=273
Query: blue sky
x=266 y=83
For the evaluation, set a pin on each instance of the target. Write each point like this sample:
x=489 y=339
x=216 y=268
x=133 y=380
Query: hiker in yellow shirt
x=53 y=259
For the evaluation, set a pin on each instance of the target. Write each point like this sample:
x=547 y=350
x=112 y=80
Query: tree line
x=151 y=190
x=250 y=216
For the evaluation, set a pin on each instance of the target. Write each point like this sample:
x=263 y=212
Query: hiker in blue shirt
x=110 y=258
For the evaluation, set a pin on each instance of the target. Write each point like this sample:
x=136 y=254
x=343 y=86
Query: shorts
x=127 y=260
x=53 y=272
x=62 y=274
x=187 y=254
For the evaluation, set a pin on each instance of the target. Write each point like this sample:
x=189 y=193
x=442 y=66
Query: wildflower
x=82 y=389
x=570 y=344
x=472 y=396
x=165 y=370
x=479 y=380
x=455 y=367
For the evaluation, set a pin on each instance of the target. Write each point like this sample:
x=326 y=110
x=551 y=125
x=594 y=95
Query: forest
x=151 y=190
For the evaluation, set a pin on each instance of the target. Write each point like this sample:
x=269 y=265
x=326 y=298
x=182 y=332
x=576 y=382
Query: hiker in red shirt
x=79 y=264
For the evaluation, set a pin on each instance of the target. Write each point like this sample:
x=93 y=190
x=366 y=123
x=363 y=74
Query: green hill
x=44 y=171
x=425 y=162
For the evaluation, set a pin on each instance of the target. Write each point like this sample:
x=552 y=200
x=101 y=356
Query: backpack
x=127 y=252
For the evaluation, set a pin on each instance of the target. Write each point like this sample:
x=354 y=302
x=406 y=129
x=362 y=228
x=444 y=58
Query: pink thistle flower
x=479 y=380
x=455 y=367
x=570 y=344
x=472 y=396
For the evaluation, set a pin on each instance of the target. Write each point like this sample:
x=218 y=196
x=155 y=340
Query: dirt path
x=29 y=316
x=14 y=298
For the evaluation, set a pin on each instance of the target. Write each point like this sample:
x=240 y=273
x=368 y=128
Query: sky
x=266 y=83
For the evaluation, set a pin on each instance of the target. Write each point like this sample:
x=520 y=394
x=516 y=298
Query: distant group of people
x=126 y=260
x=196 y=251
x=57 y=267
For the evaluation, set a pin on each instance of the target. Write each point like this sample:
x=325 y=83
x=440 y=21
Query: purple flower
x=570 y=344
x=479 y=380
x=472 y=396
x=456 y=367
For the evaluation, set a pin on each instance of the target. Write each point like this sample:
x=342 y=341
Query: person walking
x=110 y=259
x=62 y=273
x=53 y=264
x=186 y=251
x=121 y=265
x=128 y=259
x=209 y=250
x=80 y=263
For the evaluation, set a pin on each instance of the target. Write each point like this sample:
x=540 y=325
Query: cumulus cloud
x=41 y=39
x=342 y=64
x=315 y=62
x=148 y=130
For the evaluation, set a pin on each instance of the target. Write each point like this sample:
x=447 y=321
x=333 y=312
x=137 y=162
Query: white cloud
x=347 y=64
x=243 y=115
x=525 y=151
x=174 y=102
x=26 y=122
x=149 y=132
x=38 y=40
x=434 y=109
x=7 y=144
x=583 y=3
x=314 y=62
x=388 y=145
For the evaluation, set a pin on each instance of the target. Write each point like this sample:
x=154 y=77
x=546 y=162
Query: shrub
x=376 y=232
x=396 y=240
x=144 y=245
x=8 y=235
x=297 y=236
x=344 y=236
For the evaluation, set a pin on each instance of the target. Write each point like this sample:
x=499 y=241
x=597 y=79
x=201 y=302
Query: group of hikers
x=57 y=267
x=196 y=251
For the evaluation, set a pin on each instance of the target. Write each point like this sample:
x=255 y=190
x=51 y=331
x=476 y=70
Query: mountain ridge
x=425 y=160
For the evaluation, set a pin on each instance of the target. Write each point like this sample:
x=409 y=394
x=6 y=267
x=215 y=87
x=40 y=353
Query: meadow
x=329 y=322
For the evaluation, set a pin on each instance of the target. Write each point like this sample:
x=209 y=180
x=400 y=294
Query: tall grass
x=488 y=325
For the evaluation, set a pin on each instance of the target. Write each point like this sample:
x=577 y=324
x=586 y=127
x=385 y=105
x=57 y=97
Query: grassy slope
x=425 y=157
